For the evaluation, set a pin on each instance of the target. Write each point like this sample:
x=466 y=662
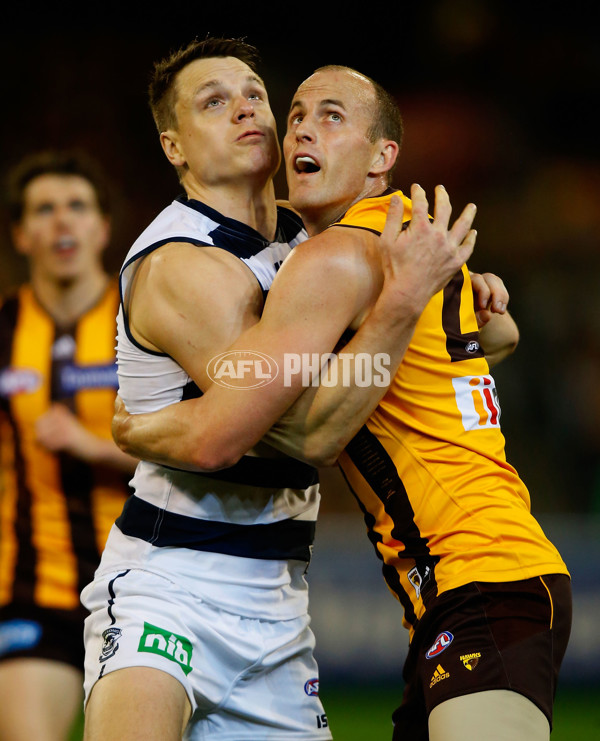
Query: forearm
x=325 y=418
x=58 y=430
x=171 y=436
x=499 y=338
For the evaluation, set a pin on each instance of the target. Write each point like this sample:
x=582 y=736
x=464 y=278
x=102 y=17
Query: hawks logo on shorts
x=110 y=646
x=471 y=660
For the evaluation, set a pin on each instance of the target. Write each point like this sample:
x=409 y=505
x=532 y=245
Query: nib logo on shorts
x=174 y=647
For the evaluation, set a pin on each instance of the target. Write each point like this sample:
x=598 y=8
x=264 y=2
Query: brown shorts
x=486 y=636
x=42 y=633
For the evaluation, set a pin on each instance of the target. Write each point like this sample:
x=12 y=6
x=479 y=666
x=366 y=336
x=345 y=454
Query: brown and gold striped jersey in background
x=55 y=510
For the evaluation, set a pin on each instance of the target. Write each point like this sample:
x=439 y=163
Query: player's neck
x=242 y=201
x=67 y=300
x=319 y=215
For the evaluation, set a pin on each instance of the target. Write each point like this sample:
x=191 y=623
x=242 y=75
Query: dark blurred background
x=500 y=105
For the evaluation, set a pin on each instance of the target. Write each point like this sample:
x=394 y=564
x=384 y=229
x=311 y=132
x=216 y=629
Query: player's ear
x=385 y=157
x=169 y=141
x=19 y=239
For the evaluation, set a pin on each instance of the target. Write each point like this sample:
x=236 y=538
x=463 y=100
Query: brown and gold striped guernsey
x=442 y=505
x=55 y=510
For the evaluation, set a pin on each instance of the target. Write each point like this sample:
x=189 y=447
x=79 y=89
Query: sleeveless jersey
x=442 y=505
x=238 y=528
x=55 y=510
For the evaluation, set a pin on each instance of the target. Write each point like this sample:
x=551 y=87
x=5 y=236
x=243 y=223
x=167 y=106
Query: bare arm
x=59 y=430
x=499 y=337
x=498 y=332
x=314 y=428
x=324 y=419
x=323 y=288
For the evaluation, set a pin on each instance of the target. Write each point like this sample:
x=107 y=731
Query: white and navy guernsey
x=237 y=527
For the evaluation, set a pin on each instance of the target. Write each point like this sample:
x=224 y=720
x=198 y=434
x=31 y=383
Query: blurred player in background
x=62 y=478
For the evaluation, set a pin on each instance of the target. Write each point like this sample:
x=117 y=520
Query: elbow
x=322 y=453
x=120 y=434
x=207 y=459
x=511 y=343
x=325 y=460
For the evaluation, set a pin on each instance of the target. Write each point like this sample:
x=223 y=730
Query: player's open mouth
x=307 y=164
x=65 y=244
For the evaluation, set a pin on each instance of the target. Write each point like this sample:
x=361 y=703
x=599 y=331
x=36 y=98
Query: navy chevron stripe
x=277 y=540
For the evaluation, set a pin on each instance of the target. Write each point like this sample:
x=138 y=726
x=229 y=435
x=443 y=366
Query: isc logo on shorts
x=174 y=647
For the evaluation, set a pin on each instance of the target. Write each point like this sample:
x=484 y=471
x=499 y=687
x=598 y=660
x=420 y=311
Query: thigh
x=137 y=702
x=494 y=715
x=40 y=699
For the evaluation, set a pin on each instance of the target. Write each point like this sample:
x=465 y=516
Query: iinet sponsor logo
x=251 y=370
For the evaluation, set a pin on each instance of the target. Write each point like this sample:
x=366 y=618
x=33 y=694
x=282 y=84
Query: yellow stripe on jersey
x=96 y=339
x=95 y=343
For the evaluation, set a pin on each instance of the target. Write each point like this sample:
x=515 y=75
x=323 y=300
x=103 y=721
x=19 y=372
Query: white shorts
x=246 y=678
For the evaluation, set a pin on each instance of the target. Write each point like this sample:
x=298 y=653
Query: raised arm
x=417 y=262
x=498 y=332
x=327 y=285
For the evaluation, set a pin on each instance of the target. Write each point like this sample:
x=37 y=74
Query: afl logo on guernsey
x=242 y=370
x=440 y=644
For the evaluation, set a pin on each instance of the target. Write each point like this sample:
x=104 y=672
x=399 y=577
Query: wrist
x=398 y=307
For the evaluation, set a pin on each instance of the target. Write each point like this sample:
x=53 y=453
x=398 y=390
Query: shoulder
x=370 y=213
x=338 y=260
x=182 y=270
x=178 y=222
x=186 y=301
